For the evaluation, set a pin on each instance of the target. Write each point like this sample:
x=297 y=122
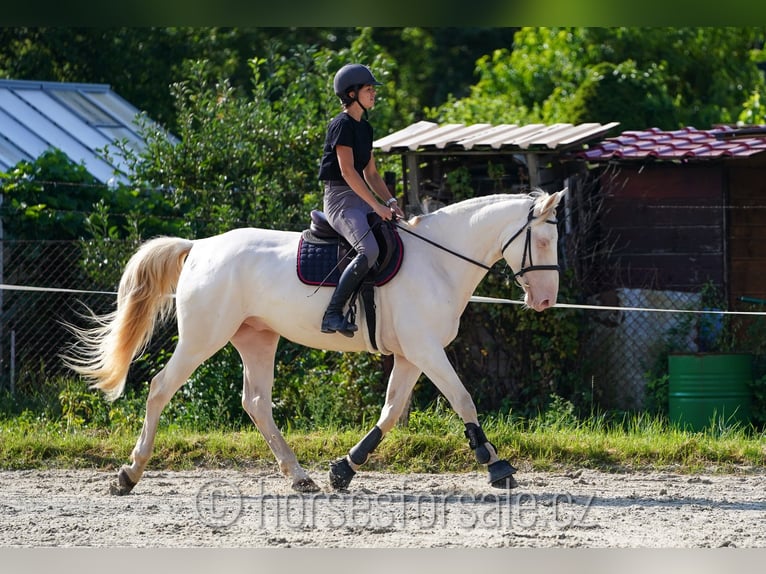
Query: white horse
x=242 y=287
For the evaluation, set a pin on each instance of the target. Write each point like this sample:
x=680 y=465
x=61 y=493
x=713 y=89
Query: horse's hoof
x=123 y=485
x=501 y=475
x=341 y=474
x=305 y=485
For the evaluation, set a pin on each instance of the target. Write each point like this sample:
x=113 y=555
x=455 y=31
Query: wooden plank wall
x=666 y=225
x=747 y=230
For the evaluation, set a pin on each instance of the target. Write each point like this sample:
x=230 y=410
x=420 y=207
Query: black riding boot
x=334 y=319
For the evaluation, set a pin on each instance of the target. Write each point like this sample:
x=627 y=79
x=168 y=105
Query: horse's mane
x=472 y=204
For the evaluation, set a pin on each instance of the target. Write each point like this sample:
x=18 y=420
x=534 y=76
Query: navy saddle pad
x=321 y=248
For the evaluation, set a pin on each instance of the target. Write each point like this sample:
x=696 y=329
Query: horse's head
x=532 y=252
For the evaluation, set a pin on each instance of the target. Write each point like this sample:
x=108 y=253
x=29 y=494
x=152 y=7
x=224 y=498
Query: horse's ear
x=551 y=202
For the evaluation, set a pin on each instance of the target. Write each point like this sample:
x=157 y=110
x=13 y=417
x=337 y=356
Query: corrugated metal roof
x=685 y=144
x=425 y=135
x=78 y=119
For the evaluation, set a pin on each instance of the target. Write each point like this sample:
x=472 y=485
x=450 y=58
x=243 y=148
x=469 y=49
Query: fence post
x=13 y=363
x=2 y=282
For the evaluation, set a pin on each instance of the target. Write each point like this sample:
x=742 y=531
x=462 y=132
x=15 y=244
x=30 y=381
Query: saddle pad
x=318 y=262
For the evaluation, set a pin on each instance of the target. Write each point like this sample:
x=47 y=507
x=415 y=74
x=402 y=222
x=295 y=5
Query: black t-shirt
x=345 y=130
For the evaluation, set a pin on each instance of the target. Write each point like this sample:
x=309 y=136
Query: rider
x=351 y=184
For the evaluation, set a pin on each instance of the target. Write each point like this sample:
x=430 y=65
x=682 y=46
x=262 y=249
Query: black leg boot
x=334 y=319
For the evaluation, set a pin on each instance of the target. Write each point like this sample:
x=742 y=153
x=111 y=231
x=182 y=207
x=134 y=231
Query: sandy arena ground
x=257 y=509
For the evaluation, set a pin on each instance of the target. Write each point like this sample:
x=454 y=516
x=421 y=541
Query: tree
x=141 y=63
x=602 y=95
x=571 y=74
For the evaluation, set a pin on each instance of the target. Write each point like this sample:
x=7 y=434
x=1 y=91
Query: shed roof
x=78 y=119
x=424 y=136
x=685 y=144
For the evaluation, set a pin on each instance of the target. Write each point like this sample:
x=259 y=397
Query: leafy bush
x=603 y=94
x=523 y=356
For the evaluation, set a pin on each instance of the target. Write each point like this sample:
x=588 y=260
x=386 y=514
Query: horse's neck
x=479 y=228
x=475 y=232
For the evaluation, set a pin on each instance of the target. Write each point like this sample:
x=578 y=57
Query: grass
x=433 y=442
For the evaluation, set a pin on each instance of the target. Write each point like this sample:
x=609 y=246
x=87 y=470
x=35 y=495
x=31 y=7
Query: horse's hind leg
x=162 y=388
x=403 y=378
x=257 y=349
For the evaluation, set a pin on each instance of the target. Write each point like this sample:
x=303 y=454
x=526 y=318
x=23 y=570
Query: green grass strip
x=639 y=445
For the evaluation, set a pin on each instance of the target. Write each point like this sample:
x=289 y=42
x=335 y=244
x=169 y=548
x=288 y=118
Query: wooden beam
x=412 y=178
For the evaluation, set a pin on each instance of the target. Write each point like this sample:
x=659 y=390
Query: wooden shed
x=444 y=163
x=683 y=208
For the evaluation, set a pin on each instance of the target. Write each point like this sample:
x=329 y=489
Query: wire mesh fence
x=32 y=329
x=632 y=345
x=621 y=349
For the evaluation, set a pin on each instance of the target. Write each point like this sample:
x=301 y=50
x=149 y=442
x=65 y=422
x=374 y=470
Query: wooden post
x=532 y=169
x=412 y=177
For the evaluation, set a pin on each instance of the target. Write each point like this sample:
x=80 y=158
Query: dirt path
x=256 y=509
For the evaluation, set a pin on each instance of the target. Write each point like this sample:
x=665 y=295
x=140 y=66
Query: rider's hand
x=386 y=213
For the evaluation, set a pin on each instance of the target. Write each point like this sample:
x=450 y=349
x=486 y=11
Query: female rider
x=351 y=184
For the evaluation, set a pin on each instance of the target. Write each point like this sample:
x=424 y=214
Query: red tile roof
x=685 y=144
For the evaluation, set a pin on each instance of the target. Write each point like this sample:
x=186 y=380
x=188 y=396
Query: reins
x=447 y=249
x=527 y=248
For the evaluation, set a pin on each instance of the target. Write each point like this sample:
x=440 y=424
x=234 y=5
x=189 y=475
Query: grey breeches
x=347 y=213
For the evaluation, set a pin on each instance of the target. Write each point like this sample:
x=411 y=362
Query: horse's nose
x=544 y=304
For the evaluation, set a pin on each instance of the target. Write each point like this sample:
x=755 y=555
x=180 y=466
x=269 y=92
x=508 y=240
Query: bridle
x=528 y=248
x=527 y=253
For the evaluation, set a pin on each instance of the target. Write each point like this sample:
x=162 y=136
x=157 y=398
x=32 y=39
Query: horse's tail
x=105 y=351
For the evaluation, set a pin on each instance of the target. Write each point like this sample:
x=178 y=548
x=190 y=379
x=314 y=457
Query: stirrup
x=349 y=320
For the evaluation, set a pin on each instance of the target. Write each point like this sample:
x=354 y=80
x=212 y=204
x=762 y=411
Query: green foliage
x=139 y=63
x=560 y=413
x=81 y=408
x=602 y=96
x=458 y=183
x=47 y=198
x=243 y=161
x=641 y=77
x=318 y=389
x=753 y=110
x=523 y=356
x=658 y=387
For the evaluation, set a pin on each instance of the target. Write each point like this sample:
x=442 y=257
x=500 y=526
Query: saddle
x=323 y=254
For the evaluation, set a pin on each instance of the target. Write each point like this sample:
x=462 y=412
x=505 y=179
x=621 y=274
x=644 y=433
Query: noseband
x=528 y=248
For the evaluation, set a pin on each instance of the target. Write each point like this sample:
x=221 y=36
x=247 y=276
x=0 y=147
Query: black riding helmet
x=350 y=78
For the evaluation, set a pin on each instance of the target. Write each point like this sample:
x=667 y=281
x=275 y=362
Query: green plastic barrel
x=709 y=387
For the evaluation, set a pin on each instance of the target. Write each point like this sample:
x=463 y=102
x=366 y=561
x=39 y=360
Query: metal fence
x=632 y=345
x=32 y=325
x=622 y=347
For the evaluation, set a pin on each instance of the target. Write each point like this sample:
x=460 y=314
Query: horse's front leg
x=257 y=349
x=400 y=384
x=437 y=367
